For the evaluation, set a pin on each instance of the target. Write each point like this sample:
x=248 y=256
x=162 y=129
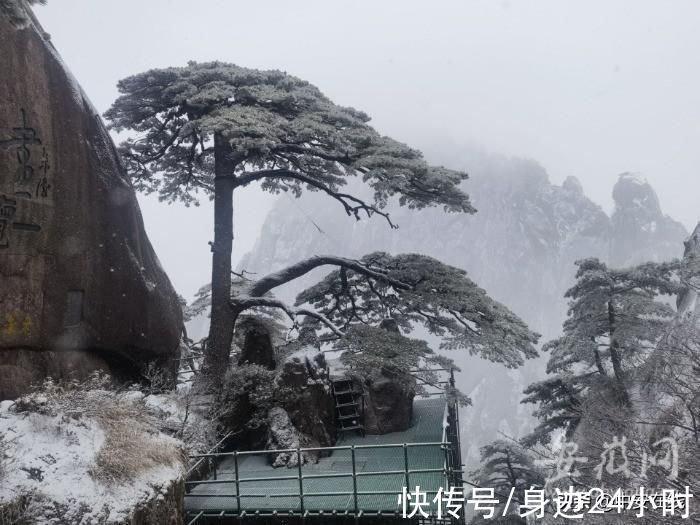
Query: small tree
x=216 y=127
x=509 y=469
x=559 y=399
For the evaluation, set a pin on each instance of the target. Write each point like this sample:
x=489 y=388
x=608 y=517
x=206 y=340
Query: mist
x=590 y=89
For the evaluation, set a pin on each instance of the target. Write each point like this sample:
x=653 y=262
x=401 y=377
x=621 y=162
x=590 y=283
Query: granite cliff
x=80 y=285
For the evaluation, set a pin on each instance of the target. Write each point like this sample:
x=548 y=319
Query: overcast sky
x=586 y=88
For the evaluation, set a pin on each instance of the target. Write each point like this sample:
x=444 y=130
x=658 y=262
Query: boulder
x=388 y=405
x=388 y=401
x=257 y=347
x=81 y=287
x=166 y=508
x=283 y=435
x=311 y=408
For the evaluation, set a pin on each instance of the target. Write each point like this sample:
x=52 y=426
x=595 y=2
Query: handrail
x=215 y=447
x=445 y=424
x=319 y=449
x=450 y=465
x=299 y=493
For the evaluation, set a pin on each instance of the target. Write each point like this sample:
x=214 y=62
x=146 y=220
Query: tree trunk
x=222 y=316
x=615 y=355
x=598 y=360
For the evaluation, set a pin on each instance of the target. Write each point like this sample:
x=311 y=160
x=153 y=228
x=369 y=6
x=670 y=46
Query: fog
x=586 y=88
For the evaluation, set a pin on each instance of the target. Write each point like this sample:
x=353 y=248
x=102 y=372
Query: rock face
x=257 y=345
x=80 y=285
x=388 y=406
x=167 y=508
x=388 y=402
x=283 y=435
x=520 y=247
x=311 y=408
x=687 y=303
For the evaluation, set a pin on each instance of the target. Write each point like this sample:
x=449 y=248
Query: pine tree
x=559 y=399
x=212 y=128
x=616 y=317
x=509 y=469
x=415 y=289
x=367 y=309
x=375 y=312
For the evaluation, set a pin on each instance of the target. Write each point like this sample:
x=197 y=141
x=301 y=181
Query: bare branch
x=243 y=303
x=353 y=205
x=267 y=283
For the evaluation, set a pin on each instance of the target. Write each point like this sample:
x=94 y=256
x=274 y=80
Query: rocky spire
x=640 y=230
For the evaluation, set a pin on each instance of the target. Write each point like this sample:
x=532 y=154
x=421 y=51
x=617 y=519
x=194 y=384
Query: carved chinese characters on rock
x=8 y=208
x=42 y=185
x=29 y=182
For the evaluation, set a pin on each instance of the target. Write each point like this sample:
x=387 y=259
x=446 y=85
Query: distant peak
x=632 y=178
x=632 y=191
x=572 y=184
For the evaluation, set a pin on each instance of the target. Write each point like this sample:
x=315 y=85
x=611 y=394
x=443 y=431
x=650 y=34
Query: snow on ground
x=83 y=466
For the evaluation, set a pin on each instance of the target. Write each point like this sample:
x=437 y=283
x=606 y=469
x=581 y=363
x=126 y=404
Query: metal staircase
x=349 y=406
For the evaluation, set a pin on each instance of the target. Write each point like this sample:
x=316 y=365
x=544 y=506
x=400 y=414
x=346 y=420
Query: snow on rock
x=305 y=353
x=183 y=414
x=283 y=436
x=75 y=457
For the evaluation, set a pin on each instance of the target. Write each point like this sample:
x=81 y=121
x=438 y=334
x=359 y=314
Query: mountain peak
x=634 y=192
x=639 y=224
x=573 y=185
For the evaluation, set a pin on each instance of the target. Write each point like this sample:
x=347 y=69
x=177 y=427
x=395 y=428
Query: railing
x=204 y=466
x=451 y=470
x=299 y=476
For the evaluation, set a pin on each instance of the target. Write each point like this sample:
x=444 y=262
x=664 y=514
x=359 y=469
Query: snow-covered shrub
x=157 y=380
x=16 y=512
x=132 y=443
x=247 y=393
x=184 y=414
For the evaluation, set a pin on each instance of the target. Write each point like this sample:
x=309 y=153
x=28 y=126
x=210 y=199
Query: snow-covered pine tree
x=367 y=308
x=508 y=468
x=215 y=127
x=616 y=317
x=372 y=313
